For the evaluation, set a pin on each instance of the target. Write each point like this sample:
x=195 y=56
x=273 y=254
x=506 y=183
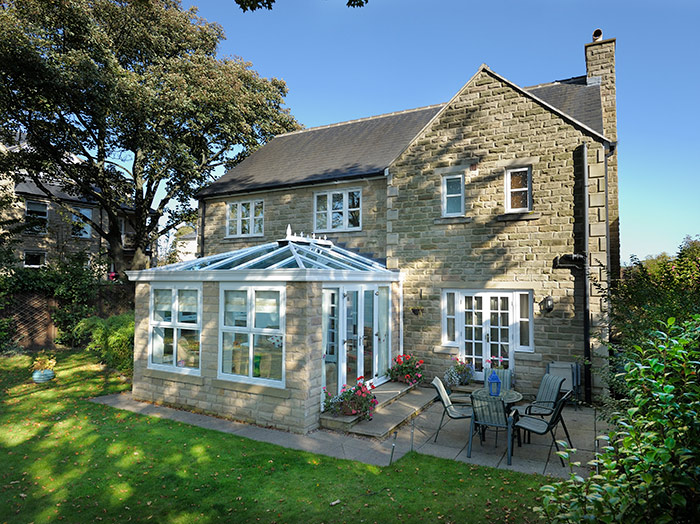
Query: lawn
x=65 y=458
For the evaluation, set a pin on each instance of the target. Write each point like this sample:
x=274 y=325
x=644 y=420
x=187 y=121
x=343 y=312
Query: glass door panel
x=331 y=332
x=474 y=333
x=383 y=316
x=368 y=335
x=352 y=337
x=499 y=331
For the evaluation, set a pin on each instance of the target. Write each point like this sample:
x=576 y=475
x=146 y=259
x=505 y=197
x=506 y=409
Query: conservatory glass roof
x=293 y=252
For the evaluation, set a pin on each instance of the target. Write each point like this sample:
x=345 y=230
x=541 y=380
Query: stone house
x=55 y=231
x=497 y=212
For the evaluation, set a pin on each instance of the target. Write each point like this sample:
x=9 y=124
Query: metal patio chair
x=454 y=412
x=491 y=413
x=541 y=426
x=547 y=396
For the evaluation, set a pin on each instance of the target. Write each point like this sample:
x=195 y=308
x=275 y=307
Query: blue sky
x=342 y=63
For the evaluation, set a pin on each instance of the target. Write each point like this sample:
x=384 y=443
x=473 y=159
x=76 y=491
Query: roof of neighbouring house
x=368 y=146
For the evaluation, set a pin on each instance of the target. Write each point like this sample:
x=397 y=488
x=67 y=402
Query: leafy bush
x=650 y=469
x=111 y=338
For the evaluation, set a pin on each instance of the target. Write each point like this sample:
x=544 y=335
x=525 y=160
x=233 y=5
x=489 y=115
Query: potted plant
x=460 y=373
x=352 y=401
x=405 y=369
x=42 y=368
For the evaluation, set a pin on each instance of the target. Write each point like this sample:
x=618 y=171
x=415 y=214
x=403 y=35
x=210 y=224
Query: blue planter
x=43 y=375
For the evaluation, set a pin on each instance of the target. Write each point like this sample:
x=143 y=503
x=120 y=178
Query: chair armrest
x=549 y=406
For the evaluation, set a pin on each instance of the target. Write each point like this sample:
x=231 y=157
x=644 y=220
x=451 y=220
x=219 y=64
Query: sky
x=343 y=63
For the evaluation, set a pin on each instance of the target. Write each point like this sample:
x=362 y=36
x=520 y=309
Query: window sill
x=252 y=388
x=239 y=237
x=333 y=231
x=512 y=217
x=453 y=220
x=174 y=376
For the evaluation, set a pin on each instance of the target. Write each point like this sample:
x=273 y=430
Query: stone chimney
x=600 y=70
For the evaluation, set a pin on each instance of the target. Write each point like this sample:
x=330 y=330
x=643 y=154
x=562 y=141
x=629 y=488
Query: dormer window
x=519 y=190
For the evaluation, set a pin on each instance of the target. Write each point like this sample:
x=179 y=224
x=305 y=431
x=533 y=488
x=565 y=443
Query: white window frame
x=238 y=220
x=174 y=287
x=515 y=316
x=318 y=228
x=509 y=191
x=36 y=230
x=444 y=195
x=86 y=229
x=251 y=331
x=30 y=252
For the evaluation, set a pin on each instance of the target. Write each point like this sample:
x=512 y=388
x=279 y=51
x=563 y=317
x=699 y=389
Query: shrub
x=406 y=370
x=111 y=338
x=650 y=468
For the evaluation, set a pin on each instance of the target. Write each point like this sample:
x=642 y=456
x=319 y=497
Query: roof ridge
x=364 y=119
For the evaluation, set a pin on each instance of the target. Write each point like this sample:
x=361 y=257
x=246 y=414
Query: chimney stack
x=600 y=70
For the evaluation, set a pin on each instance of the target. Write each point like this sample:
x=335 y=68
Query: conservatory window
x=175 y=328
x=245 y=219
x=252 y=334
x=338 y=210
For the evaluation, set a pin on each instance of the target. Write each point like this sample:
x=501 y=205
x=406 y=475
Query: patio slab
x=416 y=435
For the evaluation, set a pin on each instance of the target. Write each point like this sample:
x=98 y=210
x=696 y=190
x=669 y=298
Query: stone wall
x=295 y=207
x=295 y=408
x=488 y=127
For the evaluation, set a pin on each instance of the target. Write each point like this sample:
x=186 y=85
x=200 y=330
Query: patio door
x=487 y=330
x=355 y=335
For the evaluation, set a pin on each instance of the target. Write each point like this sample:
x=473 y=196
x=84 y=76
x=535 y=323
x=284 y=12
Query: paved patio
x=418 y=434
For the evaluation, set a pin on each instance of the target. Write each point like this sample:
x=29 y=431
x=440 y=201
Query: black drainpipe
x=586 y=283
x=200 y=230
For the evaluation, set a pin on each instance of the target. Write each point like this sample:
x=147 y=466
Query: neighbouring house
x=55 y=231
x=484 y=228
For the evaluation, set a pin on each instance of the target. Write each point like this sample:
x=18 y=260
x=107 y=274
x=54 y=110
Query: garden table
x=509 y=396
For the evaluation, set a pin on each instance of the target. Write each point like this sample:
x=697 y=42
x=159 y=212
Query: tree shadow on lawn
x=67 y=458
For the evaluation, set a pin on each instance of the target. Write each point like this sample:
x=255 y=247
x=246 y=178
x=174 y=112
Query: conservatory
x=256 y=334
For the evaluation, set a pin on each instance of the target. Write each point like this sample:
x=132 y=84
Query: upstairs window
x=37 y=216
x=78 y=227
x=518 y=190
x=245 y=219
x=453 y=195
x=338 y=211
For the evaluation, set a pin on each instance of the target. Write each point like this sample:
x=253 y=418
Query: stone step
x=387 y=394
x=392 y=416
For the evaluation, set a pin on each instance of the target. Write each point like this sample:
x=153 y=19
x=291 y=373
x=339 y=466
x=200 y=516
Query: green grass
x=65 y=458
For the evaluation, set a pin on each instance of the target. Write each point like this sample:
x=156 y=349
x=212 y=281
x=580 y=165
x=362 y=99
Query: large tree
x=125 y=102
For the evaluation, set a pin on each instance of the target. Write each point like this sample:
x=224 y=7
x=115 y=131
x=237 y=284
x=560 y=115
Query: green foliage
x=656 y=290
x=136 y=93
x=649 y=471
x=112 y=339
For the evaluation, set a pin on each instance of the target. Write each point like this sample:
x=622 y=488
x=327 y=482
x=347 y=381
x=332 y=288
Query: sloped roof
x=575 y=98
x=368 y=146
x=335 y=152
x=29 y=188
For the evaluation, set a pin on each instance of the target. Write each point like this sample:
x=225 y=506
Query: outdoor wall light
x=547 y=304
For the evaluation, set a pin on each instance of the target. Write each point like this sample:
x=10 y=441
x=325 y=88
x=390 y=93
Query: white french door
x=355 y=335
x=484 y=325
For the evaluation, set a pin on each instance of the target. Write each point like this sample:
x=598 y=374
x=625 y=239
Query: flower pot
x=43 y=375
